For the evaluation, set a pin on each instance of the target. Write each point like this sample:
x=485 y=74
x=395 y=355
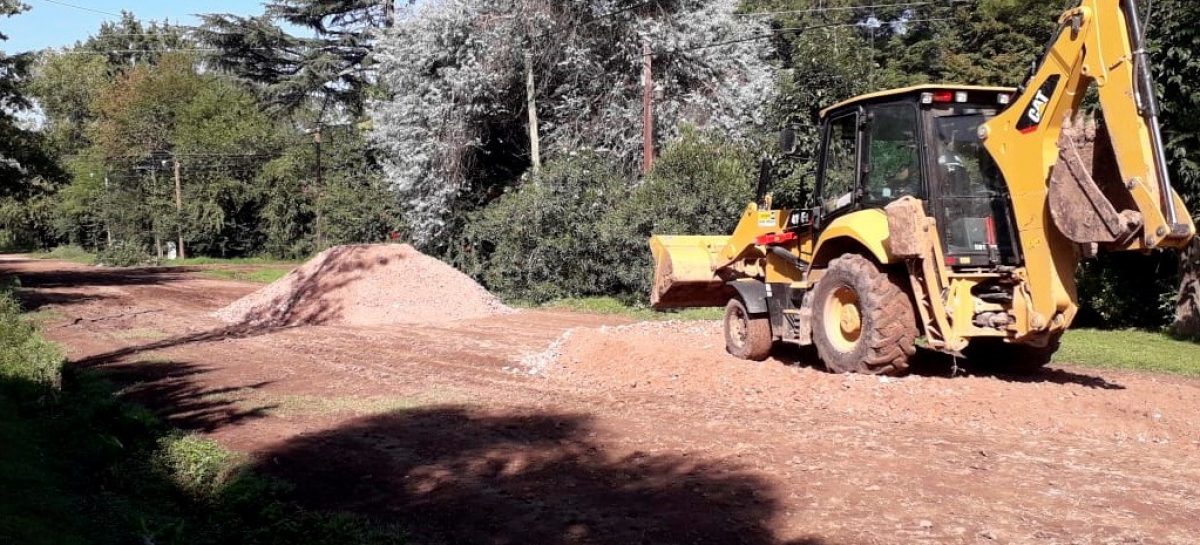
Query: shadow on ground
x=455 y=474
x=170 y=390
x=936 y=365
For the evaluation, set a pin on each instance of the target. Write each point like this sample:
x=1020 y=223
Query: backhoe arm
x=1075 y=186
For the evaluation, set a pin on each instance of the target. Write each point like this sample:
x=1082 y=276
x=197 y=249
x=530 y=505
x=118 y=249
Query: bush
x=25 y=357
x=124 y=254
x=1128 y=290
x=199 y=466
x=580 y=229
x=546 y=239
x=70 y=253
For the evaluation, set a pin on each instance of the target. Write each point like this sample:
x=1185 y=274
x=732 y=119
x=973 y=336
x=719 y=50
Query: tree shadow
x=32 y=300
x=96 y=276
x=455 y=474
x=241 y=331
x=170 y=390
x=305 y=302
x=931 y=364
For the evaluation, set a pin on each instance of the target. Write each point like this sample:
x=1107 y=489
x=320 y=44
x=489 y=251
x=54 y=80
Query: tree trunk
x=181 y=253
x=1187 y=306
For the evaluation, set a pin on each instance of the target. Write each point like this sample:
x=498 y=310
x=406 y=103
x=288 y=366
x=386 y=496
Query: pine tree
x=332 y=68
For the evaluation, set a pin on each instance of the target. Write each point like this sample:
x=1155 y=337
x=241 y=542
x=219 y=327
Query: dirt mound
x=366 y=285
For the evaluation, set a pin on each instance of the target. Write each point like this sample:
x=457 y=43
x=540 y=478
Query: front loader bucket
x=683 y=272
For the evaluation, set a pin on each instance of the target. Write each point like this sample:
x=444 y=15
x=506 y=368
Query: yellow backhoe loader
x=947 y=216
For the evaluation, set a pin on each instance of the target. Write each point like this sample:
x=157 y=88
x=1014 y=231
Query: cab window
x=895 y=167
x=841 y=164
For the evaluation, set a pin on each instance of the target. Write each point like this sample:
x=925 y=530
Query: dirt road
x=505 y=431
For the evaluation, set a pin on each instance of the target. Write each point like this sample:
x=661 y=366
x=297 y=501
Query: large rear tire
x=747 y=336
x=1013 y=359
x=863 y=319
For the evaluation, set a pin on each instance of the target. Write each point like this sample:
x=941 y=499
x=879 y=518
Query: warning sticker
x=768 y=219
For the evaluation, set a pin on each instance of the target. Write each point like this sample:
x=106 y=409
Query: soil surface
x=553 y=427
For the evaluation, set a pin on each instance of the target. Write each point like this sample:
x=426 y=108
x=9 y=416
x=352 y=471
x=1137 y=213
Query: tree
x=130 y=42
x=25 y=167
x=1175 y=42
x=331 y=68
x=453 y=127
x=66 y=85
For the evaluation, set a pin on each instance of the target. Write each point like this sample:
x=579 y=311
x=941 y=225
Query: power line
x=83 y=8
x=848 y=8
x=599 y=18
x=778 y=31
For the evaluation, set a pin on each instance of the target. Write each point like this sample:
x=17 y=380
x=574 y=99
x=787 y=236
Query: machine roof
x=915 y=89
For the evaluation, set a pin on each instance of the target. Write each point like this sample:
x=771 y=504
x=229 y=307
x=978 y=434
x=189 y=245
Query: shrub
x=544 y=240
x=580 y=228
x=1128 y=291
x=70 y=252
x=199 y=466
x=124 y=254
x=25 y=357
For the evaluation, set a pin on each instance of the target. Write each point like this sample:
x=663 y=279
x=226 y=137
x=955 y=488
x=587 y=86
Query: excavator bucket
x=683 y=272
x=1088 y=201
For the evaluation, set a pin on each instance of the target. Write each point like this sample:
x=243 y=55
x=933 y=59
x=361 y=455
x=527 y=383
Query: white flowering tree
x=452 y=127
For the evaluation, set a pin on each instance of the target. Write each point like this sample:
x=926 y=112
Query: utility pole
x=317 y=194
x=107 y=223
x=179 y=208
x=389 y=13
x=535 y=151
x=647 y=107
x=158 y=249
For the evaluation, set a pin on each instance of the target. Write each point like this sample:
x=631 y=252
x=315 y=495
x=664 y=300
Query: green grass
x=196 y=261
x=613 y=306
x=257 y=270
x=1138 y=350
x=265 y=275
x=68 y=253
x=39 y=318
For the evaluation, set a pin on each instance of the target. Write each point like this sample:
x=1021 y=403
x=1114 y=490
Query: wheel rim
x=738 y=328
x=843 y=319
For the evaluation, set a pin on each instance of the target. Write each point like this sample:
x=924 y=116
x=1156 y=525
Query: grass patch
x=613 y=306
x=39 y=318
x=249 y=399
x=264 y=275
x=197 y=261
x=71 y=253
x=303 y=405
x=139 y=334
x=1138 y=350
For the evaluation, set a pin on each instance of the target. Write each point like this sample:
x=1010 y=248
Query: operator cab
x=922 y=142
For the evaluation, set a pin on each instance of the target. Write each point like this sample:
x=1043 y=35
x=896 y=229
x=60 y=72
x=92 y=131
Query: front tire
x=747 y=336
x=863 y=319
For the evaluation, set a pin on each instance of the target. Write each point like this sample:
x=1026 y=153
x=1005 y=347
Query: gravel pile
x=366 y=285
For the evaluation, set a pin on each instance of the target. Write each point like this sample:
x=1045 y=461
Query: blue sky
x=51 y=24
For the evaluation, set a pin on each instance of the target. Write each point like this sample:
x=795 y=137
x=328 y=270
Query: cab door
x=893 y=158
x=840 y=173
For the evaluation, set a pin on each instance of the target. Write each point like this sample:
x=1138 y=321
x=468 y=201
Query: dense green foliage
x=79 y=466
x=580 y=229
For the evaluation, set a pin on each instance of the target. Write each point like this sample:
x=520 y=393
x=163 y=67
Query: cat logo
x=1037 y=107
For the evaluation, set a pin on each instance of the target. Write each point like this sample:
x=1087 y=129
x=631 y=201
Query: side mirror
x=787 y=141
x=764 y=180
